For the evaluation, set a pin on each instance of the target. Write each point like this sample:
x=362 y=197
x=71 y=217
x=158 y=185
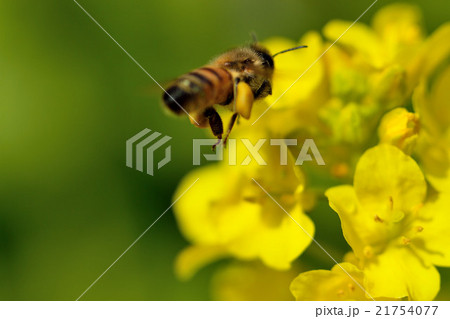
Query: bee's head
x=254 y=60
x=264 y=56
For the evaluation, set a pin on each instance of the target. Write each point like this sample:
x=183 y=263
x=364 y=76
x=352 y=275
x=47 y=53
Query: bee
x=234 y=79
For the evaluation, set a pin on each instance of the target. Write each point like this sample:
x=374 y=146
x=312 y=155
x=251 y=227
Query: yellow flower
x=431 y=101
x=396 y=240
x=227 y=214
x=371 y=70
x=320 y=285
x=396 y=227
x=289 y=67
x=433 y=55
x=395 y=34
x=252 y=281
x=399 y=128
x=331 y=285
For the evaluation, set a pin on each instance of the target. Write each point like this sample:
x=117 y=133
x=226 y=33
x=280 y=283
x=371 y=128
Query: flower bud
x=399 y=128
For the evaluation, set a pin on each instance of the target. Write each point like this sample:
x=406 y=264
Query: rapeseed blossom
x=252 y=281
x=377 y=106
x=334 y=284
x=431 y=101
x=228 y=214
x=395 y=236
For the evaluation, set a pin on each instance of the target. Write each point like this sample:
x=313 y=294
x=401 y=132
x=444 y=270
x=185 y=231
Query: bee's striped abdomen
x=199 y=89
x=174 y=97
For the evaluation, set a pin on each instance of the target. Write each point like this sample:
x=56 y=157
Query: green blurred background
x=70 y=98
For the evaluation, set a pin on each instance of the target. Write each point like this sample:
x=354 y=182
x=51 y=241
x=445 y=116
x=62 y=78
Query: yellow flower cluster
x=377 y=106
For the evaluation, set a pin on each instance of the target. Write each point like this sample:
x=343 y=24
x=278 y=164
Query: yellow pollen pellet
x=244 y=100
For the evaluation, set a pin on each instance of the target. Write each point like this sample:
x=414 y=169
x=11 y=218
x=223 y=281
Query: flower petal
x=399 y=23
x=320 y=285
x=388 y=183
x=436 y=50
x=277 y=246
x=192 y=258
x=252 y=281
x=200 y=214
x=433 y=242
x=360 y=38
x=343 y=201
x=291 y=65
x=399 y=273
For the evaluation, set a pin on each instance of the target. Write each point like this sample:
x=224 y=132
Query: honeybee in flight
x=234 y=79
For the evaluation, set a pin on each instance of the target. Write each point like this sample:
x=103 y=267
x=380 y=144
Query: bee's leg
x=215 y=122
x=237 y=97
x=264 y=90
x=230 y=127
x=235 y=93
x=217 y=143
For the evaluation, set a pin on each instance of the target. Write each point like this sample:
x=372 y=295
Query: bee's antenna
x=291 y=49
x=254 y=37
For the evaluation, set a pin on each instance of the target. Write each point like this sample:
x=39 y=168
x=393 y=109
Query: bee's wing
x=153 y=89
